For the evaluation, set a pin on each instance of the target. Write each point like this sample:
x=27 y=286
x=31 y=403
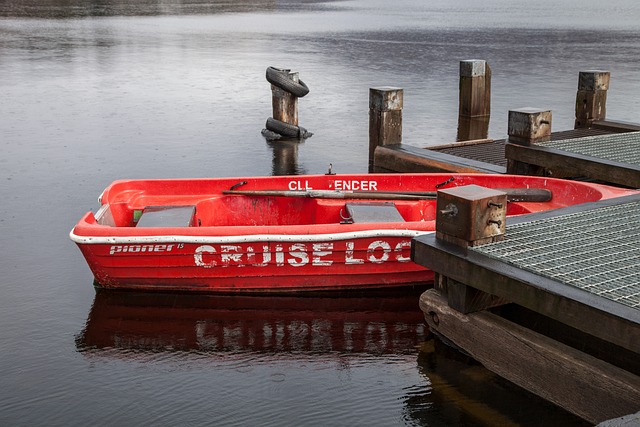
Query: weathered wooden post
x=591 y=99
x=526 y=126
x=529 y=125
x=286 y=88
x=474 y=100
x=285 y=104
x=385 y=118
x=469 y=216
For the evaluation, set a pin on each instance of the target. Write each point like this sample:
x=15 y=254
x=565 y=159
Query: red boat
x=285 y=233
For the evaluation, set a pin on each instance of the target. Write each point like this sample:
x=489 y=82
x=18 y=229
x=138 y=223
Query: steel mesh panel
x=493 y=152
x=621 y=147
x=596 y=250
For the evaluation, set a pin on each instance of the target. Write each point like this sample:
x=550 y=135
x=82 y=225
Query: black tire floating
x=280 y=78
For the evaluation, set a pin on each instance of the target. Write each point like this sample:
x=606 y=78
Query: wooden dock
x=492 y=156
x=613 y=158
x=553 y=304
x=554 y=307
x=587 y=151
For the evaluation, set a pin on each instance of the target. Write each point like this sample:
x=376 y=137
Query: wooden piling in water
x=385 y=118
x=474 y=100
x=591 y=99
x=285 y=104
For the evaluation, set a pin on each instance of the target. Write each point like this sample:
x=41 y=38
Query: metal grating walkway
x=493 y=152
x=596 y=250
x=623 y=147
x=490 y=152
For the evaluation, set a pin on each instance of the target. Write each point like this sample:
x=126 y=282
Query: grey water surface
x=93 y=91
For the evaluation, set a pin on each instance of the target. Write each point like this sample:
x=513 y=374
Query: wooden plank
x=616 y=126
x=460 y=144
x=406 y=158
x=585 y=386
x=602 y=318
x=561 y=164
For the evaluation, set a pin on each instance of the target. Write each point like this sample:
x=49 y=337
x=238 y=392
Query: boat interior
x=241 y=210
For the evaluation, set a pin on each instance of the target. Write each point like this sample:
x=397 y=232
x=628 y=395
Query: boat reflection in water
x=359 y=352
x=376 y=324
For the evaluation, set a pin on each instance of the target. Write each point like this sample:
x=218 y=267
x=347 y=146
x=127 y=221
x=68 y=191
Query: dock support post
x=286 y=88
x=285 y=104
x=463 y=298
x=591 y=99
x=385 y=118
x=527 y=126
x=469 y=216
x=474 y=100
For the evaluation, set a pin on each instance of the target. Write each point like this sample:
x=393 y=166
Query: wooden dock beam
x=474 y=100
x=581 y=384
x=385 y=118
x=591 y=99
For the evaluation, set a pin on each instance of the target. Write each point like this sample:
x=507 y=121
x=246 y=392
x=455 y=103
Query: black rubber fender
x=269 y=135
x=280 y=78
x=286 y=129
x=282 y=128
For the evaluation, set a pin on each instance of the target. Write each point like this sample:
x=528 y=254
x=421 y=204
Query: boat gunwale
x=88 y=231
x=248 y=238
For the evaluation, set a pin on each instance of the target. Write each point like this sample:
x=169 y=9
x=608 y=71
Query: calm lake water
x=96 y=91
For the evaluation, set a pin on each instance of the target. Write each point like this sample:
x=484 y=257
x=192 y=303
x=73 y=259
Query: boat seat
x=364 y=212
x=167 y=216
